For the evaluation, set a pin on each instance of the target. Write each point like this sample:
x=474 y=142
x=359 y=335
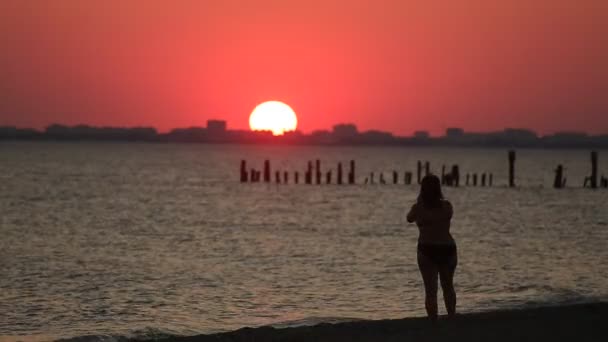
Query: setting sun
x=273 y=116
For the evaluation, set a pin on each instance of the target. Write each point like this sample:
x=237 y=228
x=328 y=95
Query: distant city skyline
x=417 y=131
x=394 y=65
x=217 y=131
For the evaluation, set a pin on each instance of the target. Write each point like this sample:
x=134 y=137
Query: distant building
x=377 y=137
x=516 y=137
x=216 y=127
x=421 y=135
x=570 y=135
x=216 y=130
x=191 y=134
x=12 y=132
x=454 y=132
x=520 y=134
x=570 y=139
x=292 y=137
x=345 y=131
x=296 y=133
x=322 y=137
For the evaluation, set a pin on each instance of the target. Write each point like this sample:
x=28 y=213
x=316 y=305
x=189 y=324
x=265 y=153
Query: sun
x=273 y=116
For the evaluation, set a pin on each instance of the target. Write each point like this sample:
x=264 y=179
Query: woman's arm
x=449 y=209
x=411 y=216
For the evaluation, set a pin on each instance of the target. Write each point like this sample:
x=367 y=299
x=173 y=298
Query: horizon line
x=322 y=130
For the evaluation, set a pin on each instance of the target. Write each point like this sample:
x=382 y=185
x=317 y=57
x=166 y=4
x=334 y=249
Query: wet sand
x=580 y=322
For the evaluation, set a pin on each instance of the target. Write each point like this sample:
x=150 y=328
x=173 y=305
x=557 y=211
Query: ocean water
x=109 y=240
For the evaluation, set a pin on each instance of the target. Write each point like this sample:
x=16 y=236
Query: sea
x=110 y=241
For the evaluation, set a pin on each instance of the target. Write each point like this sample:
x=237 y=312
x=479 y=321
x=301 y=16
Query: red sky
x=393 y=65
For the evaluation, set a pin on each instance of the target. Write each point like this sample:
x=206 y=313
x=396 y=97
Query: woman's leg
x=446 y=274
x=429 y=276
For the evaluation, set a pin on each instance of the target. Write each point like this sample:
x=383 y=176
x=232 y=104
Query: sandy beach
x=580 y=322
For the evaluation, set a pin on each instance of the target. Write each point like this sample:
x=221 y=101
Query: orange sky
x=393 y=65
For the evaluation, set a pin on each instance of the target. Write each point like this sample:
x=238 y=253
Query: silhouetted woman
x=437 y=257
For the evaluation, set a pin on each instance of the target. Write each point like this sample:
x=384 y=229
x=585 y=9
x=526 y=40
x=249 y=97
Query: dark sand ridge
x=580 y=322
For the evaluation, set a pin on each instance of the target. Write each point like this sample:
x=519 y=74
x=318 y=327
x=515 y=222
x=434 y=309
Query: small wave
x=95 y=338
x=310 y=321
x=136 y=335
x=546 y=296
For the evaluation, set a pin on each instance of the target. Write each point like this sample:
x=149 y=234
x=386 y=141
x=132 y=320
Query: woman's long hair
x=430 y=192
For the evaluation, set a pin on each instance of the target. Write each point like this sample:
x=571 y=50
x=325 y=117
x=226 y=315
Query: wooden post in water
x=371 y=178
x=455 y=175
x=407 y=178
x=483 y=179
x=339 y=173
x=474 y=179
x=308 y=175
x=277 y=177
x=266 y=171
x=511 y=168
x=351 y=174
x=318 y=170
x=419 y=171
x=427 y=168
x=243 y=171
x=559 y=175
x=593 y=169
x=395 y=177
x=328 y=177
x=285 y=177
x=382 y=181
x=468 y=176
x=252 y=176
x=491 y=179
x=296 y=178
x=443 y=177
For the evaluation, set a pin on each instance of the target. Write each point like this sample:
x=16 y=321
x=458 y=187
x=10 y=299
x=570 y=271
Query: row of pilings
x=311 y=176
x=314 y=175
x=590 y=181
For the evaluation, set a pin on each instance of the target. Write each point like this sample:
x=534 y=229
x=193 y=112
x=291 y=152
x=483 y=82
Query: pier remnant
x=483 y=179
x=296 y=178
x=308 y=174
x=419 y=171
x=455 y=175
x=266 y=171
x=407 y=178
x=328 y=177
x=318 y=170
x=243 y=171
x=474 y=179
x=351 y=174
x=558 y=181
x=593 y=180
x=339 y=174
x=395 y=177
x=511 y=168
x=427 y=168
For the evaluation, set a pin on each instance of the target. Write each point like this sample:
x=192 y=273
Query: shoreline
x=577 y=322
